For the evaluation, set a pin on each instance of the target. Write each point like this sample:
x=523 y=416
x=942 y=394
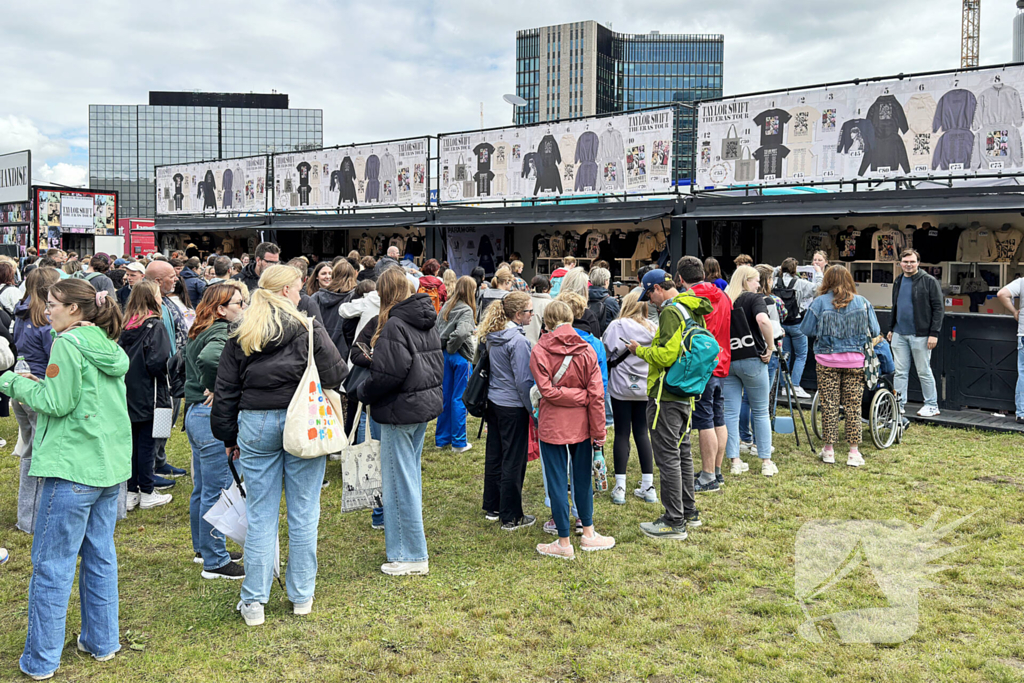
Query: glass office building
x=585 y=69
x=127 y=141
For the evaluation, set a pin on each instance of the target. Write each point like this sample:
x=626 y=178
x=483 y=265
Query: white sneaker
x=855 y=460
x=619 y=495
x=462 y=449
x=133 y=501
x=769 y=469
x=405 y=568
x=828 y=457
x=928 y=411
x=148 y=501
x=302 y=608
x=800 y=392
x=738 y=466
x=104 y=658
x=753 y=450
x=251 y=612
x=648 y=495
x=745 y=446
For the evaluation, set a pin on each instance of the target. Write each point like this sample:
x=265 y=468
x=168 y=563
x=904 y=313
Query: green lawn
x=718 y=606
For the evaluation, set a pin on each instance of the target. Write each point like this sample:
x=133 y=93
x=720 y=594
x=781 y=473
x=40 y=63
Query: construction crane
x=970 y=33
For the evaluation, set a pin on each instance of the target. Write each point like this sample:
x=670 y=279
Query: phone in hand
x=624 y=341
x=367 y=351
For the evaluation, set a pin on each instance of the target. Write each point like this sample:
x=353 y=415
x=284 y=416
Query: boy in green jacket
x=667 y=418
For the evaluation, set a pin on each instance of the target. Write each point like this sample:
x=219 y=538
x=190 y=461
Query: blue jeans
x=557 y=460
x=750 y=374
x=267 y=467
x=451 y=423
x=795 y=344
x=1019 y=397
x=773 y=368
x=905 y=347
x=401 y=447
x=72 y=520
x=210 y=474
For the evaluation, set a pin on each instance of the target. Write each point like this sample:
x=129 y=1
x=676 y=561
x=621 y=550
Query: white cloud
x=61 y=173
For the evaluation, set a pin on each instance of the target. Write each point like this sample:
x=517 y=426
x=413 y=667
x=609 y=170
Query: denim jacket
x=842 y=330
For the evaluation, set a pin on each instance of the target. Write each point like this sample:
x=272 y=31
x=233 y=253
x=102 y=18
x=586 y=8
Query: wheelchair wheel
x=884 y=419
x=816 y=416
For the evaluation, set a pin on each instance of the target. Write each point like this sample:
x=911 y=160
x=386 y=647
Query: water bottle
x=21 y=367
x=600 y=470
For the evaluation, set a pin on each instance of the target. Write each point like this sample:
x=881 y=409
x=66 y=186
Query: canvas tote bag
x=362 y=482
x=746 y=167
x=731 y=145
x=312 y=427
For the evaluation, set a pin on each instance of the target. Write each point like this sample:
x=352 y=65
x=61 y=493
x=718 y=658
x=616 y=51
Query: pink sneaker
x=597 y=542
x=556 y=549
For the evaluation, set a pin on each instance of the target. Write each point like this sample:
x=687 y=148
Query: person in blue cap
x=668 y=417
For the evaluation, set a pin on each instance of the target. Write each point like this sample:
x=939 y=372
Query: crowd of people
x=107 y=348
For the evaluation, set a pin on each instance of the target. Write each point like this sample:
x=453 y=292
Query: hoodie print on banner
x=954 y=115
x=919 y=139
x=372 y=178
x=548 y=156
x=586 y=157
x=888 y=152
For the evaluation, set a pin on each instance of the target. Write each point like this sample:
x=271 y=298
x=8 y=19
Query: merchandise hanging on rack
x=471 y=247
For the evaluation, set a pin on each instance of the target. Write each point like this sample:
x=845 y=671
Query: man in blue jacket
x=194 y=285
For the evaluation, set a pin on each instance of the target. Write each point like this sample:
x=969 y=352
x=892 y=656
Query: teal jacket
x=202 y=356
x=83 y=433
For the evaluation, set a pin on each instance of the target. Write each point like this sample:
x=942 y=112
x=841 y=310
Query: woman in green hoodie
x=222 y=305
x=82 y=450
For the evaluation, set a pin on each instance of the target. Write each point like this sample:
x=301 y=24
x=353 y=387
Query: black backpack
x=475 y=396
x=789 y=298
x=598 y=309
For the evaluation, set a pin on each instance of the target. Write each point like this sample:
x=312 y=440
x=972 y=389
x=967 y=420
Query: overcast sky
x=381 y=69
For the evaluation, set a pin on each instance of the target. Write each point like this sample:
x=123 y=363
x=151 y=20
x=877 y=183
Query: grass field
x=719 y=606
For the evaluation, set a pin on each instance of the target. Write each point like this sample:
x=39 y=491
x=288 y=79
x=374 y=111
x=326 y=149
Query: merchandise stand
x=975 y=364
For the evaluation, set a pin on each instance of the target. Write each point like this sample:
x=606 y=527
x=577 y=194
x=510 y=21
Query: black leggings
x=631 y=415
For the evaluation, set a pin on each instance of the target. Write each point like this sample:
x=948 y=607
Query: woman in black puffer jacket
x=404 y=393
x=260 y=368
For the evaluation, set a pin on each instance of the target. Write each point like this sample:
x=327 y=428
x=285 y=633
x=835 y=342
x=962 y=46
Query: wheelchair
x=880 y=411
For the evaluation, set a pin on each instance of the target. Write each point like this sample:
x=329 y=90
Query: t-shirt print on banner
x=771 y=123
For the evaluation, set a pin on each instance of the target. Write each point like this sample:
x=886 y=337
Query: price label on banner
x=770 y=176
x=956 y=167
x=996 y=165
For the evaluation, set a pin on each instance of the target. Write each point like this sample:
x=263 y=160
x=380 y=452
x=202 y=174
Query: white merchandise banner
x=227 y=186
x=629 y=152
x=77 y=213
x=959 y=123
x=15 y=177
x=378 y=174
x=469 y=248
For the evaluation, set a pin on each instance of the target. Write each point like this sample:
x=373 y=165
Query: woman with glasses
x=222 y=304
x=508 y=409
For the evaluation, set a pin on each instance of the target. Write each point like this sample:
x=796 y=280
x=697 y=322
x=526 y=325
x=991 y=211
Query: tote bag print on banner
x=746 y=166
x=731 y=145
x=360 y=472
x=312 y=428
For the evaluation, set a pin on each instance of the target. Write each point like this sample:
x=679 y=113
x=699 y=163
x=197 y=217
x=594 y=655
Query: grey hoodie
x=457 y=331
x=511 y=379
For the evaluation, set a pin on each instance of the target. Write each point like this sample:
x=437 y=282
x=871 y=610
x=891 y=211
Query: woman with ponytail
x=456 y=330
x=404 y=394
x=260 y=368
x=82 y=452
x=508 y=409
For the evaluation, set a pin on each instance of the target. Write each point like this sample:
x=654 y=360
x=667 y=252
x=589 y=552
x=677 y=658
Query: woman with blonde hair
x=627 y=386
x=222 y=304
x=842 y=323
x=260 y=367
x=148 y=346
x=501 y=285
x=570 y=425
x=752 y=342
x=82 y=463
x=508 y=409
x=404 y=394
x=449 y=279
x=456 y=330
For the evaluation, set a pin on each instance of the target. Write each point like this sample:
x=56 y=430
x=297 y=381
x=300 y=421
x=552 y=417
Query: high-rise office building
x=126 y=141
x=584 y=69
